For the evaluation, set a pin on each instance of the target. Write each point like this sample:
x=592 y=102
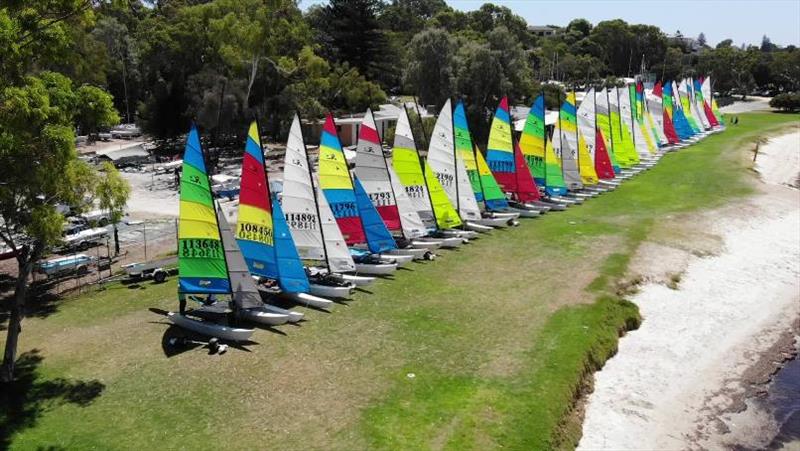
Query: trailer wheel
x=83 y=270
x=160 y=276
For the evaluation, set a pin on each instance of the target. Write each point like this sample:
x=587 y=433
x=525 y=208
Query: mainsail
x=339 y=258
x=584 y=123
x=702 y=93
x=292 y=276
x=336 y=184
x=244 y=290
x=446 y=162
x=604 y=128
x=630 y=124
x=664 y=102
x=587 y=124
x=682 y=129
x=202 y=267
x=406 y=162
x=710 y=103
x=624 y=150
x=565 y=143
x=372 y=170
x=501 y=154
x=412 y=224
x=254 y=228
x=686 y=106
x=484 y=186
x=378 y=237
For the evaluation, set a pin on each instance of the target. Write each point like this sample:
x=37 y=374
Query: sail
x=565 y=143
x=664 y=103
x=630 y=123
x=298 y=197
x=291 y=273
x=443 y=210
x=531 y=141
x=710 y=104
x=637 y=103
x=624 y=150
x=702 y=92
x=334 y=179
x=464 y=147
x=595 y=145
x=412 y=224
x=484 y=186
x=201 y=260
x=493 y=197
x=254 y=229
x=696 y=96
x=243 y=288
x=686 y=106
x=500 y=151
x=672 y=109
x=586 y=140
x=602 y=107
x=371 y=171
x=406 y=162
x=448 y=166
x=339 y=258
x=379 y=239
x=527 y=191
x=655 y=110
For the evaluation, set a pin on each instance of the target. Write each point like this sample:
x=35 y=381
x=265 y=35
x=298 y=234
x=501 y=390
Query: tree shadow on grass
x=23 y=401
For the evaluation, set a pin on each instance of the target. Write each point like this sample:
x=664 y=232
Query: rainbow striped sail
x=582 y=132
x=254 y=228
x=589 y=131
x=686 y=106
x=408 y=168
x=678 y=120
x=480 y=176
x=712 y=111
x=706 y=110
x=500 y=151
x=202 y=267
x=665 y=101
x=336 y=184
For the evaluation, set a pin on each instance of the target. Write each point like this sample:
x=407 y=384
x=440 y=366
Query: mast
x=633 y=126
x=610 y=125
x=455 y=159
x=217 y=209
x=513 y=147
x=560 y=140
x=544 y=142
x=619 y=112
x=422 y=166
x=389 y=176
x=314 y=191
x=577 y=138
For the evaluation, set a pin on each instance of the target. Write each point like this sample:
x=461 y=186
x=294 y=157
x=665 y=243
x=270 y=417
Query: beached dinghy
x=202 y=266
x=480 y=228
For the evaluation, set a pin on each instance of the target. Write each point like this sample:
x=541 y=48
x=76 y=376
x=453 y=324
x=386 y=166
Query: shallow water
x=784 y=398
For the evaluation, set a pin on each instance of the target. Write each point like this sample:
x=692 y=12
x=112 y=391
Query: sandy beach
x=720 y=313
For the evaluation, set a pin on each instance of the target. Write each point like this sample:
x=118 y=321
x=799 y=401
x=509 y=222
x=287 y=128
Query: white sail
x=299 y=205
x=705 y=89
x=586 y=117
x=656 y=111
x=371 y=169
x=631 y=123
x=565 y=146
x=443 y=160
x=413 y=227
x=697 y=105
x=339 y=258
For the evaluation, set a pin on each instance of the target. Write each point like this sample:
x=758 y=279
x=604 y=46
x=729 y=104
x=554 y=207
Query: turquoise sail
x=292 y=276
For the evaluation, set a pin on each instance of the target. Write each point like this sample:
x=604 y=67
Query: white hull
x=293 y=316
x=308 y=300
x=526 y=213
x=493 y=222
x=452 y=242
x=418 y=254
x=505 y=214
x=358 y=281
x=476 y=227
x=210 y=329
x=400 y=260
x=331 y=291
x=263 y=316
x=381 y=269
x=460 y=233
x=427 y=243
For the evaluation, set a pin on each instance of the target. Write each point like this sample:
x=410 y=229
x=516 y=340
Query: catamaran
x=350 y=203
x=595 y=143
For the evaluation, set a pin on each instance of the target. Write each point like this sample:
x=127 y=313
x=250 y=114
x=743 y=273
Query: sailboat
x=372 y=170
x=506 y=162
x=451 y=172
x=484 y=187
x=589 y=178
x=631 y=125
x=316 y=235
x=343 y=193
x=202 y=263
x=663 y=103
x=417 y=182
x=624 y=150
x=594 y=141
x=262 y=232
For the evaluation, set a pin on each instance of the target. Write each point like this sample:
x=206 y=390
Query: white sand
x=674 y=380
x=152 y=195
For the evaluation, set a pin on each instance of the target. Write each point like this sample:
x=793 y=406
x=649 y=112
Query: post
x=144 y=233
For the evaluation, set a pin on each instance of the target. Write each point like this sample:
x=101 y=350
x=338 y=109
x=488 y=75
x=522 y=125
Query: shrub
x=786 y=102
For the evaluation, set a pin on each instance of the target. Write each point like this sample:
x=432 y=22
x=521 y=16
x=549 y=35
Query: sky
x=744 y=21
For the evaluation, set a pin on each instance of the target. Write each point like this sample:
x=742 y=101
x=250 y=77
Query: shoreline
x=721 y=309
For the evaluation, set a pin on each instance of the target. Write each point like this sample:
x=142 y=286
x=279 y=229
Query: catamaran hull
x=358 y=281
x=210 y=329
x=308 y=300
x=452 y=242
x=418 y=254
x=293 y=316
x=263 y=316
x=523 y=213
x=427 y=243
x=381 y=269
x=468 y=234
x=330 y=291
x=475 y=226
x=493 y=222
x=400 y=260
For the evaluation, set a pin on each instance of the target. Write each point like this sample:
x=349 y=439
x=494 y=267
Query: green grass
x=499 y=337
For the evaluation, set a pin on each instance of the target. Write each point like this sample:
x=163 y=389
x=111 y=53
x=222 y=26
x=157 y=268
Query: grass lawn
x=486 y=347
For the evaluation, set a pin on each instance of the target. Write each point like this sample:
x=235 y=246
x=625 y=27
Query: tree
x=94 y=109
x=113 y=191
x=581 y=26
x=39 y=167
x=431 y=66
x=767 y=45
x=786 y=102
x=701 y=39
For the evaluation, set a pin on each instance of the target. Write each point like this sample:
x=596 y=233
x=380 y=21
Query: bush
x=787 y=102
